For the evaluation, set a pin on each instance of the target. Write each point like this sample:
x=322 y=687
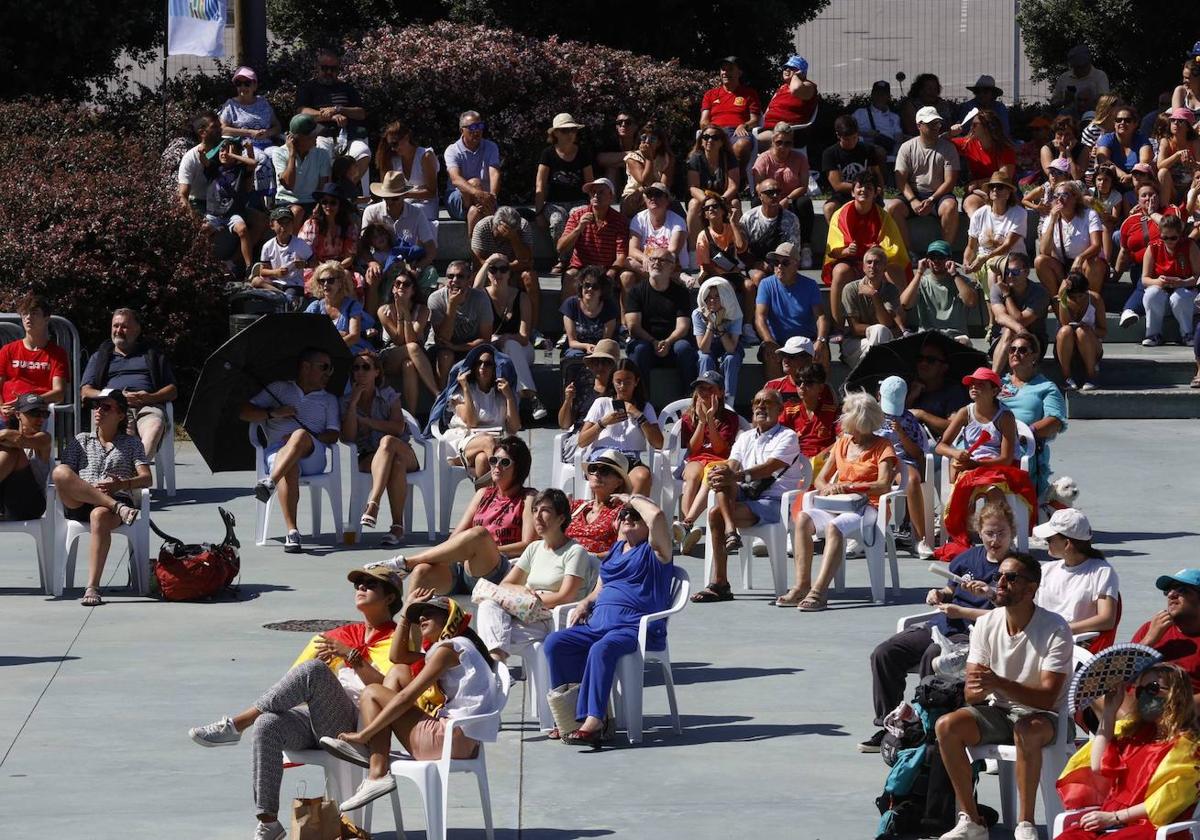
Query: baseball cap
x=892 y=393
x=281 y=213
x=982 y=374
x=1183 y=114
x=591 y=186
x=710 y=377
x=938 y=247
x=1144 y=169
x=659 y=186
x=783 y=251
x=416 y=610
x=385 y=576
x=1186 y=577
x=30 y=402
x=115 y=394
x=245 y=73
x=882 y=84
x=796 y=345
x=1062 y=165
x=302 y=124
x=797 y=62
x=1068 y=522
x=928 y=114
x=730 y=59
x=1079 y=53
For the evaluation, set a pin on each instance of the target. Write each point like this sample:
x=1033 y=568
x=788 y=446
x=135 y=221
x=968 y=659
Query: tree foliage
x=1141 y=46
x=58 y=48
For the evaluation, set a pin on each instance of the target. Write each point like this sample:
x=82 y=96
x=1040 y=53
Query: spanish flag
x=874 y=228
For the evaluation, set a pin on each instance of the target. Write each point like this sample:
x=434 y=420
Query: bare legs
x=75 y=492
x=473 y=547
x=390 y=466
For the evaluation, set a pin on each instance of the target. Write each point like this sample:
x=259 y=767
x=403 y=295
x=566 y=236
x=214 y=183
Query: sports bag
x=192 y=572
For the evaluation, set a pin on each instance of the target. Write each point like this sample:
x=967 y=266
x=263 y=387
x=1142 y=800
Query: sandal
x=712 y=593
x=394 y=536
x=788 y=600
x=91 y=598
x=126 y=513
x=580 y=738
x=1195 y=383
x=554 y=734
x=733 y=542
x=814 y=601
x=368 y=518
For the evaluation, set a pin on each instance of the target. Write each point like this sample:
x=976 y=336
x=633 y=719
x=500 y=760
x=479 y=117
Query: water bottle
x=814 y=189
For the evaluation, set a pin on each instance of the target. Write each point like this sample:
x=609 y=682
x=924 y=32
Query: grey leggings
x=287 y=725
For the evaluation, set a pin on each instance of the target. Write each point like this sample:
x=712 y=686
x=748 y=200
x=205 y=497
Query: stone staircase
x=1136 y=381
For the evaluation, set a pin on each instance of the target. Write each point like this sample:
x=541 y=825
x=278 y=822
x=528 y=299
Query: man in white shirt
x=409 y=225
x=766 y=450
x=1017 y=671
x=301 y=420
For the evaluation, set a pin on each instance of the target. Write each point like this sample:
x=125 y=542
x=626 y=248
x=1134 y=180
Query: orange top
x=865 y=468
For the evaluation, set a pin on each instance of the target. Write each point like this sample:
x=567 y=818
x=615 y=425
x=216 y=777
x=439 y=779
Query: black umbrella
x=899 y=358
x=266 y=351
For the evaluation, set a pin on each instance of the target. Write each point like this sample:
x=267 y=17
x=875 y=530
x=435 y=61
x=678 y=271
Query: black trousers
x=891 y=661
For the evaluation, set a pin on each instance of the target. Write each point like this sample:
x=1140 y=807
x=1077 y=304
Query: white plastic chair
x=537 y=683
x=1054 y=759
x=328 y=482
x=1191 y=826
x=137 y=534
x=1026 y=448
x=45 y=535
x=449 y=476
x=164 y=458
x=562 y=475
x=432 y=778
x=341 y=777
x=423 y=479
x=673 y=452
x=891 y=508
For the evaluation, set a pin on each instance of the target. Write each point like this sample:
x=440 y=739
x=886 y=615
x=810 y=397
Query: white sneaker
x=397 y=564
x=853 y=548
x=272 y=830
x=679 y=531
x=966 y=829
x=1129 y=317
x=354 y=753
x=690 y=539
x=924 y=550
x=219 y=734
x=1069 y=384
x=372 y=789
x=1025 y=831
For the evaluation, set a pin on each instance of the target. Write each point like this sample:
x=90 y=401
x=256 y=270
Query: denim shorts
x=464 y=581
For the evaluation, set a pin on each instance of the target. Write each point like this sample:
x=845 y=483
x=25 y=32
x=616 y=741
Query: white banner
x=196 y=27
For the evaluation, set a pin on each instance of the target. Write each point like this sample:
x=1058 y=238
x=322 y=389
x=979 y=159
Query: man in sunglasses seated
x=933 y=397
x=1018 y=666
x=473 y=172
x=1017 y=306
x=1175 y=631
x=301 y=420
x=767 y=226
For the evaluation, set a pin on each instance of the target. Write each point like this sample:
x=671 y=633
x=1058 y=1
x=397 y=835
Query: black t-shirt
x=658 y=309
x=848 y=162
x=566 y=176
x=944 y=402
x=712 y=178
x=313 y=94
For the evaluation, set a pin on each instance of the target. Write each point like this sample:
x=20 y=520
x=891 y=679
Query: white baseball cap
x=1068 y=522
x=796 y=345
x=928 y=114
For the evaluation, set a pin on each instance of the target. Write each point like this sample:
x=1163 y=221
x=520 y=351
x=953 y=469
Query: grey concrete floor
x=95 y=704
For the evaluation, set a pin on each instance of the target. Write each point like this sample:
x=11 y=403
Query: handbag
x=754 y=488
x=315 y=818
x=185 y=572
x=855 y=503
x=522 y=605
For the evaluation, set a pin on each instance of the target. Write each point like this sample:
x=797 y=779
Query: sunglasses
x=625 y=122
x=361 y=367
x=660 y=261
x=1124 y=119
x=500 y=461
x=782 y=143
x=243 y=83
x=706 y=137
x=589 y=287
x=327 y=281
x=628 y=514
x=712 y=208
x=1182 y=122
x=328 y=202
x=771 y=193
x=931 y=360
x=1009 y=577
x=475 y=126
x=654 y=195
x=1020 y=351
x=647 y=138
x=105 y=408
x=1170 y=238
x=369 y=585
x=1015 y=272
x=402 y=284
x=498 y=269
x=1151 y=688
x=1063 y=196
x=600 y=470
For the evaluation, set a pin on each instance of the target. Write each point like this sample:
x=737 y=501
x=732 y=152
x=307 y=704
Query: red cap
x=982 y=374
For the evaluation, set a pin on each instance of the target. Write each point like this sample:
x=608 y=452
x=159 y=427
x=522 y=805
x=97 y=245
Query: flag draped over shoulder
x=196 y=27
x=873 y=228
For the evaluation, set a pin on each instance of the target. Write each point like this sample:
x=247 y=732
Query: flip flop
x=91 y=598
x=814 y=602
x=713 y=593
x=785 y=601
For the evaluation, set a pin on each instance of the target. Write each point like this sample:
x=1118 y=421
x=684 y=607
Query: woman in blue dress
x=636 y=579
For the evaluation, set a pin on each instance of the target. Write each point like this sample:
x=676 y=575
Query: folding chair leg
x=485 y=800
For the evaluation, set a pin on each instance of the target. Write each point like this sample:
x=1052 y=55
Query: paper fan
x=1115 y=666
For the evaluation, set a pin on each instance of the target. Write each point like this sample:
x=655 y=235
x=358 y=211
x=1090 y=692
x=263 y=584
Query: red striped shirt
x=599 y=243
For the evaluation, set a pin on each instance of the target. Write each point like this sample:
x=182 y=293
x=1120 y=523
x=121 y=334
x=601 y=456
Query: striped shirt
x=599 y=243
x=484 y=241
x=87 y=455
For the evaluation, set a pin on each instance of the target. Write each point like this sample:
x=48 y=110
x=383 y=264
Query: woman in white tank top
x=395 y=147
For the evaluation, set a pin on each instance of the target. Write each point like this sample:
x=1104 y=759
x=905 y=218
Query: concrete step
x=1131 y=334
x=1162 y=403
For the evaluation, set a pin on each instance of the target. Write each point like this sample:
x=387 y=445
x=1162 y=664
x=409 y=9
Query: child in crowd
x=908 y=438
x=1109 y=202
x=230 y=188
x=283 y=258
x=374 y=251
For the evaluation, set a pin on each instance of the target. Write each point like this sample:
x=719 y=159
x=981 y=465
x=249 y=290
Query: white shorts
x=847 y=523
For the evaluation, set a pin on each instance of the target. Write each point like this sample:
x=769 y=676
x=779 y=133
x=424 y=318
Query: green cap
x=938 y=248
x=281 y=214
x=302 y=124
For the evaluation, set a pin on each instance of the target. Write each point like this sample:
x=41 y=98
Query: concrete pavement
x=95 y=704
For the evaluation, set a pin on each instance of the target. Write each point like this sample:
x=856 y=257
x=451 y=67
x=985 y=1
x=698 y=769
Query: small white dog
x=1061 y=493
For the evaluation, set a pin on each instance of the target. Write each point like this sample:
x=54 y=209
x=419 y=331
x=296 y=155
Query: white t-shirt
x=652 y=237
x=753 y=448
x=1044 y=645
x=411 y=228
x=191 y=172
x=991 y=231
x=546 y=567
x=471 y=688
x=624 y=437
x=1072 y=591
x=1074 y=235
x=491 y=408
x=318 y=411
x=281 y=256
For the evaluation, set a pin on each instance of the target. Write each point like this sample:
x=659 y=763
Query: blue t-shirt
x=1035 y=400
x=350 y=309
x=972 y=564
x=1117 y=154
x=472 y=164
x=791 y=310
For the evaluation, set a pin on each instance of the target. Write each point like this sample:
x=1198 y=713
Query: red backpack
x=193 y=572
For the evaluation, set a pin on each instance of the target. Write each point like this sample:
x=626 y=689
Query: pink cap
x=982 y=374
x=1182 y=114
x=245 y=73
x=1061 y=164
x=1145 y=169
